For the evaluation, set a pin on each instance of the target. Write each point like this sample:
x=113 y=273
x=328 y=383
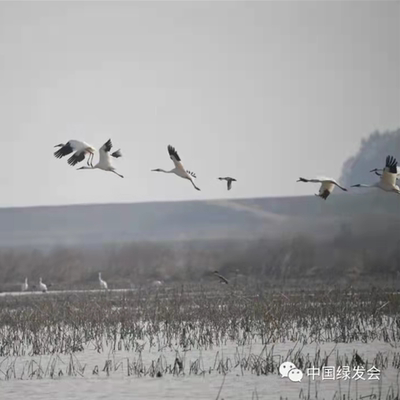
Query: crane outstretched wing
x=76 y=158
x=116 y=154
x=106 y=146
x=64 y=150
x=174 y=156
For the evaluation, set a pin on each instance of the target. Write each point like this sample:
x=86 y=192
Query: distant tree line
x=345 y=258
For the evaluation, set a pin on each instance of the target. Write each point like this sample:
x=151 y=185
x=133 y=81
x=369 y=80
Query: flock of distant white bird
x=389 y=175
x=42 y=286
x=81 y=149
x=387 y=181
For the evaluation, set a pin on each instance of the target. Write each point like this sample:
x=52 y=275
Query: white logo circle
x=285 y=368
x=295 y=375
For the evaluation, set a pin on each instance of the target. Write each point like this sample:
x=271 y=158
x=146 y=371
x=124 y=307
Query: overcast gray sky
x=261 y=91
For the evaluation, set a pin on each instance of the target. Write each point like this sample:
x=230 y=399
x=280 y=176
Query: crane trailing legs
x=79 y=148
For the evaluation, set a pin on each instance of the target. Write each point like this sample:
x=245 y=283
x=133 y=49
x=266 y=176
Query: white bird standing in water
x=42 y=286
x=103 y=284
x=105 y=159
x=229 y=180
x=327 y=186
x=80 y=149
x=178 y=170
x=387 y=182
x=24 y=286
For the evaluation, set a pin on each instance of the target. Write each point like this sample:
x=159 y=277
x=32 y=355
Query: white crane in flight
x=179 y=169
x=80 y=150
x=387 y=182
x=378 y=171
x=105 y=159
x=327 y=185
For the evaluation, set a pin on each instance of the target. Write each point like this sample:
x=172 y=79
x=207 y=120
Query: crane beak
x=59 y=145
x=374 y=170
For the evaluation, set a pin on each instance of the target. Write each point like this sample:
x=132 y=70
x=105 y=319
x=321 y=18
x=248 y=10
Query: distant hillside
x=96 y=224
x=88 y=225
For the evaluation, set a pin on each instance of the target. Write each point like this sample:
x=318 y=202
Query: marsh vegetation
x=217 y=332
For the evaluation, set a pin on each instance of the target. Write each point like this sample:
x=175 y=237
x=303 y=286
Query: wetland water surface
x=165 y=348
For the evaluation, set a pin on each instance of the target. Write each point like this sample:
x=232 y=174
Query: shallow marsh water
x=117 y=384
x=207 y=373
